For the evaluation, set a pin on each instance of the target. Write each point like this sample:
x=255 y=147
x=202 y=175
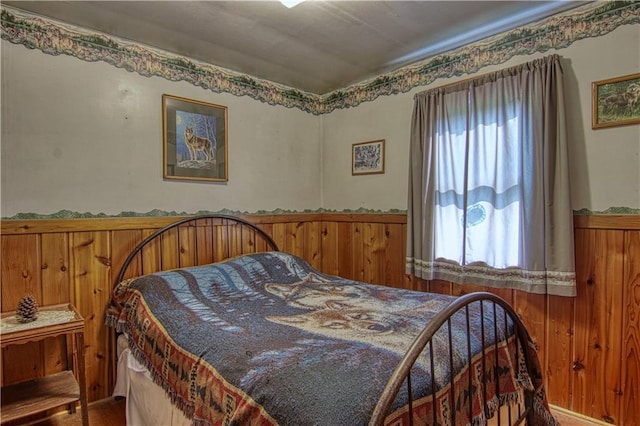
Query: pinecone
x=27 y=310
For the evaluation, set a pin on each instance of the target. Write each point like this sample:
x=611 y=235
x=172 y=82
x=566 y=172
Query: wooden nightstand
x=44 y=393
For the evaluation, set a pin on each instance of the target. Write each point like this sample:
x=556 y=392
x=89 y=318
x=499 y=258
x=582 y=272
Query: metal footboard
x=424 y=342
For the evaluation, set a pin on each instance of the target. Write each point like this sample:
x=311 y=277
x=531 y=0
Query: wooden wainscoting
x=77 y=260
x=589 y=346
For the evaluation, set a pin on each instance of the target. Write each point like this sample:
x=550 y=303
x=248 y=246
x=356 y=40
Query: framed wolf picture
x=194 y=140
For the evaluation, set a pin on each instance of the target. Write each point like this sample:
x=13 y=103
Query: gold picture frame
x=616 y=101
x=367 y=158
x=194 y=135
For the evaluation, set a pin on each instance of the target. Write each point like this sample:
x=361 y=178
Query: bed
x=255 y=336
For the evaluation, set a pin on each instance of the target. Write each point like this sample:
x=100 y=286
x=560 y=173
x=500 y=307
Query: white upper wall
x=87 y=137
x=605 y=163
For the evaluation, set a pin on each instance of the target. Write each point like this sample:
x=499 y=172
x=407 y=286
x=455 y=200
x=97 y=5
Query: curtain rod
x=508 y=70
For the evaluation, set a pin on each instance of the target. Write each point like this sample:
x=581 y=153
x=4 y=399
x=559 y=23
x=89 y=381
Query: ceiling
x=317 y=46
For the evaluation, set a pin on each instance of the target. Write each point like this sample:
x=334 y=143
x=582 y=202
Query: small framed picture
x=616 y=101
x=367 y=158
x=194 y=140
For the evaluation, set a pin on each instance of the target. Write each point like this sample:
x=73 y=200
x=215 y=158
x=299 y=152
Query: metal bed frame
x=423 y=342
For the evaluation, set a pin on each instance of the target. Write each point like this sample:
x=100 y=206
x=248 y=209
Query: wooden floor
x=568 y=418
x=109 y=412
x=106 y=412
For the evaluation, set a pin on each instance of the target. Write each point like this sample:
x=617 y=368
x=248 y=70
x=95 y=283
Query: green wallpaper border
x=559 y=31
x=68 y=214
x=609 y=211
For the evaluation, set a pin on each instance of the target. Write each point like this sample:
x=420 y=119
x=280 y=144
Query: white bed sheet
x=147 y=404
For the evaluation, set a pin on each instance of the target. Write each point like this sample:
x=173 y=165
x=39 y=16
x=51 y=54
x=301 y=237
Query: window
x=488 y=190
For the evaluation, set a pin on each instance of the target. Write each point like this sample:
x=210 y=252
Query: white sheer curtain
x=489 y=199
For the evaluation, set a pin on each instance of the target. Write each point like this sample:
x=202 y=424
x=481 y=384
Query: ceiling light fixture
x=291 y=3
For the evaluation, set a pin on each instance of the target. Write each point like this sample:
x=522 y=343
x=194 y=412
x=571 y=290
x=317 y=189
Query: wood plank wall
x=589 y=346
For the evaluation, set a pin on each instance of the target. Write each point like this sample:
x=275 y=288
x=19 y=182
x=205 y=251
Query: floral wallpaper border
x=68 y=214
x=558 y=31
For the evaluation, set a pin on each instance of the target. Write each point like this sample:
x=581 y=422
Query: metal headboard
x=228 y=221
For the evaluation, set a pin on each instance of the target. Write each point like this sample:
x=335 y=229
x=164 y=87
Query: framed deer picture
x=616 y=101
x=194 y=140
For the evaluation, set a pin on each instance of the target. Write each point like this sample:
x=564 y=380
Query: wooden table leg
x=82 y=379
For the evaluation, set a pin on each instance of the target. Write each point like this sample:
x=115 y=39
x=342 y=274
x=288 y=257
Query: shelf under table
x=35 y=396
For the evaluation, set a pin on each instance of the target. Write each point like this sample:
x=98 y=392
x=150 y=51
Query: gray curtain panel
x=489 y=199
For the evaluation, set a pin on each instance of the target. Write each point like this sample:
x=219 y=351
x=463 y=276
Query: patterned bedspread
x=266 y=339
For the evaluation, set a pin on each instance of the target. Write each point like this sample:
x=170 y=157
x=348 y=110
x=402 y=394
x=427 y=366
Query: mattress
x=146 y=403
